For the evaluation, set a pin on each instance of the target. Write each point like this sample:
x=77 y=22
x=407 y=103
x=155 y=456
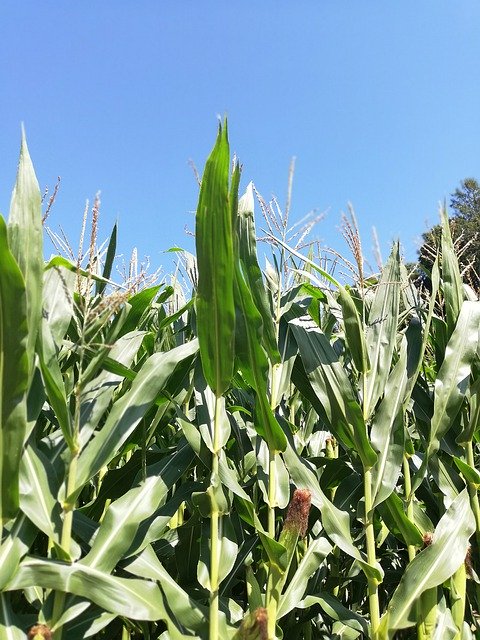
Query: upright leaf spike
x=25 y=237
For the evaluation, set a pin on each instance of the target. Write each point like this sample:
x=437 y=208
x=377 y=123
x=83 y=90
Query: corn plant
x=273 y=457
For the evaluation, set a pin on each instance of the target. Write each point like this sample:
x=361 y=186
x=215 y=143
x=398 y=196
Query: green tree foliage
x=465 y=229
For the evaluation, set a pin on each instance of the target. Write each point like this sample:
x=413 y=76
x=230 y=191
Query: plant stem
x=427 y=614
x=473 y=493
x=271 y=601
x=271 y=596
x=68 y=507
x=215 y=524
x=409 y=499
x=272 y=490
x=459 y=595
x=371 y=556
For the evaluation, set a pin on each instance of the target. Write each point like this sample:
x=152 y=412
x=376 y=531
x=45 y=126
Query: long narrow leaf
x=382 y=331
x=452 y=280
x=247 y=245
x=14 y=375
x=132 y=598
x=25 y=237
x=433 y=565
x=330 y=381
x=129 y=410
x=215 y=260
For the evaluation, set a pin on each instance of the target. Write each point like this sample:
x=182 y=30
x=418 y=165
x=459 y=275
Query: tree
x=465 y=229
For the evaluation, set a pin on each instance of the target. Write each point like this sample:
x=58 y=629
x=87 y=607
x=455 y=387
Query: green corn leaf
x=433 y=565
x=335 y=610
x=445 y=628
x=317 y=551
x=60 y=261
x=88 y=623
x=58 y=287
x=97 y=394
x=38 y=490
x=215 y=259
x=282 y=480
x=451 y=278
x=127 y=412
x=14 y=375
x=124 y=516
x=205 y=410
x=247 y=248
x=254 y=363
x=120 y=524
x=157 y=525
x=138 y=305
x=186 y=610
x=470 y=474
x=10 y=625
x=228 y=549
x=331 y=384
x=387 y=434
x=393 y=514
x=354 y=332
x=327 y=276
x=53 y=382
x=15 y=545
x=110 y=257
x=453 y=378
x=25 y=238
x=335 y=521
x=132 y=598
x=278 y=555
x=254 y=593
x=382 y=330
x=473 y=424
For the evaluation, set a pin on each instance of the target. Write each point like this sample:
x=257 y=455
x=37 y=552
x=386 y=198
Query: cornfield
x=277 y=455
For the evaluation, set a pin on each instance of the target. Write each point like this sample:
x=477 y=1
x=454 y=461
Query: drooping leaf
x=331 y=384
x=53 y=381
x=132 y=598
x=335 y=610
x=335 y=521
x=316 y=552
x=138 y=305
x=187 y=611
x=452 y=380
x=127 y=412
x=125 y=515
x=433 y=565
x=392 y=512
x=254 y=363
x=38 y=493
x=98 y=393
x=18 y=536
x=247 y=247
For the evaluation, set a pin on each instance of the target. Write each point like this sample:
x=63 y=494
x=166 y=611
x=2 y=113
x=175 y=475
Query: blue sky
x=379 y=102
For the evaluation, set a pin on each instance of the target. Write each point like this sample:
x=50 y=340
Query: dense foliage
x=277 y=456
x=465 y=230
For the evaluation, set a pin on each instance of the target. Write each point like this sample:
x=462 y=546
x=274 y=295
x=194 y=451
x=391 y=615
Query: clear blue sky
x=379 y=102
